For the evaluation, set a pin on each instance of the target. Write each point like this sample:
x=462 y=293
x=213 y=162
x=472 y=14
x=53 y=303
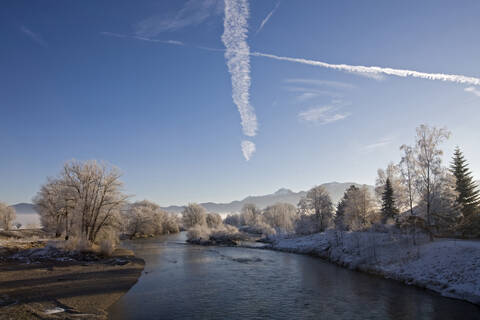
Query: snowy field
x=447 y=266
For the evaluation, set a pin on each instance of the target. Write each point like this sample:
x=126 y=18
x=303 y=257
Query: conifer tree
x=389 y=209
x=468 y=193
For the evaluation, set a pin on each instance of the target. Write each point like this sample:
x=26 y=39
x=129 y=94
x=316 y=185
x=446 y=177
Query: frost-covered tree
x=393 y=173
x=7 y=216
x=468 y=194
x=56 y=204
x=318 y=203
x=429 y=161
x=408 y=172
x=250 y=215
x=214 y=220
x=194 y=214
x=281 y=216
x=233 y=220
x=389 y=207
x=145 y=218
x=359 y=209
x=445 y=211
x=86 y=196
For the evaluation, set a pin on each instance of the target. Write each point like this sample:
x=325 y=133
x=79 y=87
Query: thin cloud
x=310 y=89
x=306 y=96
x=248 y=148
x=322 y=115
x=193 y=13
x=264 y=21
x=377 y=70
x=237 y=55
x=34 y=36
x=473 y=90
x=379 y=144
x=126 y=36
x=318 y=82
x=318 y=92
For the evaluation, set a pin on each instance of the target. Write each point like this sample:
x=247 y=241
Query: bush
x=214 y=220
x=198 y=233
x=107 y=247
x=77 y=244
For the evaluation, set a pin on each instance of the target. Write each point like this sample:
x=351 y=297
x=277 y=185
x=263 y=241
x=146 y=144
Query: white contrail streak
x=377 y=70
x=248 y=148
x=237 y=54
x=264 y=21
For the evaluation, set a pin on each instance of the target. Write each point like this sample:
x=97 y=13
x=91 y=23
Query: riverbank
x=447 y=266
x=40 y=281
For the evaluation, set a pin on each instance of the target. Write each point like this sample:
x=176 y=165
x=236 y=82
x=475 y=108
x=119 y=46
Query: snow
x=447 y=266
x=54 y=310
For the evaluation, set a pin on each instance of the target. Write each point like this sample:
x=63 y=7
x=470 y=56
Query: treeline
x=417 y=194
x=85 y=200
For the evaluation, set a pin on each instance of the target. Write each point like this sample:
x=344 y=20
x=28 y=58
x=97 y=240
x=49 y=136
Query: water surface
x=184 y=281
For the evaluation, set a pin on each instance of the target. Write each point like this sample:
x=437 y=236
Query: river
x=182 y=281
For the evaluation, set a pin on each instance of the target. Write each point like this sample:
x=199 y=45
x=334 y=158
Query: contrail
x=248 y=148
x=237 y=54
x=264 y=21
x=377 y=70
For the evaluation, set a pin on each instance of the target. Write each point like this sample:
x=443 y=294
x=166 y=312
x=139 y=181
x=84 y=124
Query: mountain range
x=335 y=189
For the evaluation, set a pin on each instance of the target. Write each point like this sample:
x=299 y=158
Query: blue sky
x=145 y=86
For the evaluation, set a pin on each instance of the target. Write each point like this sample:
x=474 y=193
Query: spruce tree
x=389 y=210
x=468 y=193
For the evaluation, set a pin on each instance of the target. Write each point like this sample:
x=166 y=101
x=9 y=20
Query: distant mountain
x=335 y=189
x=24 y=208
x=26 y=215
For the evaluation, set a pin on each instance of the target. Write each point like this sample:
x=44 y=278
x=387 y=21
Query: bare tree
x=428 y=158
x=7 y=216
x=408 y=170
x=86 y=196
x=98 y=199
x=55 y=204
x=359 y=211
x=281 y=216
x=194 y=214
x=318 y=202
x=250 y=215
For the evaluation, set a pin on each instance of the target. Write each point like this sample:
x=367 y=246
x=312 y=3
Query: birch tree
x=429 y=161
x=408 y=170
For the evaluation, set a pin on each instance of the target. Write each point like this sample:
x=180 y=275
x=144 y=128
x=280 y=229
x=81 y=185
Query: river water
x=182 y=281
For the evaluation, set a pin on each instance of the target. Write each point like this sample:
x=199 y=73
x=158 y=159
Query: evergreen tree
x=389 y=210
x=468 y=193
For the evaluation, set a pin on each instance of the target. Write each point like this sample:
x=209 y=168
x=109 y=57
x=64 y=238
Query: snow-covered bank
x=449 y=267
